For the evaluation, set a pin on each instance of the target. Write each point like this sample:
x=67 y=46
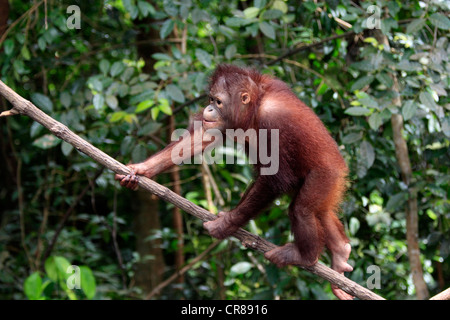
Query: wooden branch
x=309 y=46
x=444 y=295
x=411 y=209
x=249 y=240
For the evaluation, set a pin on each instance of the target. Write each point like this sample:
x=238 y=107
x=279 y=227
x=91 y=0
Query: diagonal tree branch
x=249 y=240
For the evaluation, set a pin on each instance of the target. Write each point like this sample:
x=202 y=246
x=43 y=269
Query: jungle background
x=124 y=74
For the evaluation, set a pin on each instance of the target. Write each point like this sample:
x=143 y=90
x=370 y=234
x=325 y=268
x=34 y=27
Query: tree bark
x=149 y=271
x=249 y=240
x=444 y=295
x=411 y=210
x=4 y=15
x=177 y=217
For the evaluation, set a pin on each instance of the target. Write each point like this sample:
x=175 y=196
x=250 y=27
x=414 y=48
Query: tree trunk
x=149 y=272
x=4 y=14
x=150 y=269
x=411 y=210
x=176 y=214
x=412 y=218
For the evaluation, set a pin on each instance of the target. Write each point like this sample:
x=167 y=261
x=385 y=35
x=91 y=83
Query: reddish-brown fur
x=311 y=168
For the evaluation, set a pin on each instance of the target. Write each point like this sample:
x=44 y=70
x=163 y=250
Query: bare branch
x=444 y=295
x=248 y=239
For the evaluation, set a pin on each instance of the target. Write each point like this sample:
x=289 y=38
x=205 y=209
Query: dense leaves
x=115 y=82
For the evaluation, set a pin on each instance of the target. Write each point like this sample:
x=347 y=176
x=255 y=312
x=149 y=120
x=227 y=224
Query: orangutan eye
x=211 y=100
x=219 y=103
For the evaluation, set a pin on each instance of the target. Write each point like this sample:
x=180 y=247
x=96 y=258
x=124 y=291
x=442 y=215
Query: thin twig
x=182 y=271
x=66 y=216
x=29 y=11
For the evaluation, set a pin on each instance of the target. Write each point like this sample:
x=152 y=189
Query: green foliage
x=60 y=276
x=115 y=82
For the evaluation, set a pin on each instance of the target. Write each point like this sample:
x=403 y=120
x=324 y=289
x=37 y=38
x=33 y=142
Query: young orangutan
x=310 y=169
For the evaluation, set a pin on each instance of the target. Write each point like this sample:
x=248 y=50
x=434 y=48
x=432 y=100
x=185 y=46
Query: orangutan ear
x=245 y=98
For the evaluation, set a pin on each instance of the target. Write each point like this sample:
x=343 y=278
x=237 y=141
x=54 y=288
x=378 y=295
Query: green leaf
x=8 y=45
x=322 y=89
x=66 y=148
x=388 y=24
x=161 y=56
x=104 y=66
x=42 y=44
x=427 y=99
x=62 y=264
x=352 y=137
x=439 y=20
x=354 y=225
x=251 y=12
x=33 y=286
x=267 y=29
x=25 y=53
x=95 y=84
x=127 y=143
x=280 y=5
x=385 y=79
x=50 y=268
x=369 y=102
x=431 y=214
x=357 y=111
x=230 y=51
x=362 y=82
x=365 y=65
x=235 y=22
x=19 y=67
x=204 y=57
x=144 y=105
x=112 y=101
x=310 y=6
x=165 y=107
x=118 y=116
x=375 y=120
x=171 y=8
x=154 y=112
x=88 y=284
x=396 y=202
x=65 y=99
x=415 y=25
x=35 y=129
x=199 y=15
x=42 y=101
x=146 y=8
x=406 y=65
x=46 y=142
x=371 y=40
x=149 y=128
x=272 y=14
x=446 y=126
x=175 y=93
x=367 y=154
x=409 y=109
x=117 y=68
x=166 y=28
x=98 y=101
x=139 y=153
x=126 y=75
x=240 y=268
